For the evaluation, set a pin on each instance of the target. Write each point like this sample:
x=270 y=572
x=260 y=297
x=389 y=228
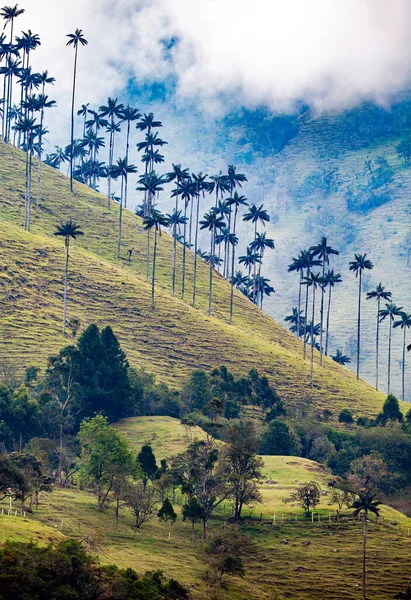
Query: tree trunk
x=322 y=317
x=192 y=531
x=110 y=164
x=377 y=344
x=364 y=558
x=29 y=190
x=306 y=317
x=210 y=289
x=153 y=277
x=147 y=253
x=72 y=119
x=312 y=339
x=359 y=325
x=60 y=463
x=299 y=304
x=233 y=267
x=127 y=150
x=255 y=264
x=327 y=327
x=403 y=363
x=26 y=204
x=173 y=282
x=204 y=528
x=67 y=242
x=120 y=219
x=117 y=510
x=195 y=251
x=184 y=249
x=39 y=157
x=389 y=357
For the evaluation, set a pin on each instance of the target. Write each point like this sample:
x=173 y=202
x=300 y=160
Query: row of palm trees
x=323 y=280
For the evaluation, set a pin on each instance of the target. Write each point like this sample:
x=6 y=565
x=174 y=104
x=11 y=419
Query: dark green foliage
x=167 y=513
x=66 y=572
x=193 y=510
x=226 y=551
x=390 y=411
x=147 y=462
x=197 y=391
x=345 y=416
x=279 y=440
x=308 y=496
x=19 y=417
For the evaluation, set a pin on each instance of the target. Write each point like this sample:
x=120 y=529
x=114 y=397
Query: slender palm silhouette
x=67 y=230
x=237 y=201
x=365 y=504
x=378 y=294
x=330 y=279
x=358 y=266
x=404 y=323
x=154 y=221
x=75 y=39
x=201 y=186
x=295 y=319
x=256 y=214
x=179 y=175
x=28 y=127
x=121 y=169
x=112 y=110
x=389 y=312
x=129 y=115
x=212 y=221
x=308 y=261
x=314 y=281
x=340 y=358
x=323 y=251
x=297 y=265
x=9 y=14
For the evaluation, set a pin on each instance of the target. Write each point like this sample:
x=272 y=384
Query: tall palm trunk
x=39 y=155
x=364 y=559
x=403 y=364
x=389 y=357
x=67 y=243
x=127 y=152
x=312 y=338
x=306 y=317
x=120 y=219
x=72 y=119
x=322 y=316
x=29 y=190
x=153 y=276
x=327 y=327
x=359 y=325
x=184 y=249
x=210 y=288
x=195 y=250
x=173 y=282
x=255 y=266
x=233 y=267
x=110 y=164
x=26 y=202
x=299 y=303
x=377 y=344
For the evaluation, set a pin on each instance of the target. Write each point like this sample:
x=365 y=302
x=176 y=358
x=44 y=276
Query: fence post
x=312 y=517
x=296 y=519
x=319 y=517
x=274 y=519
x=282 y=518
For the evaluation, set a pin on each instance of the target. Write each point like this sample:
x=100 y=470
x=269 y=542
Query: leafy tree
x=389 y=312
x=141 y=500
x=148 y=463
x=167 y=513
x=308 y=496
x=75 y=39
x=279 y=440
x=390 y=411
x=358 y=266
x=24 y=415
x=197 y=391
x=378 y=294
x=105 y=457
x=68 y=230
x=225 y=553
x=193 y=510
x=244 y=466
x=345 y=416
x=371 y=475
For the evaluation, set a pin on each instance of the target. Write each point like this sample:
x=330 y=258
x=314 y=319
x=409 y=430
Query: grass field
x=172 y=339
x=328 y=568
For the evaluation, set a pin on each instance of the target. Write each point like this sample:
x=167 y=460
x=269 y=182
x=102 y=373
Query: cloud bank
x=329 y=54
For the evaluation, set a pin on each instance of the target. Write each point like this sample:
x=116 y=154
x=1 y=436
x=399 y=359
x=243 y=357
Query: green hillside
x=332 y=560
x=168 y=341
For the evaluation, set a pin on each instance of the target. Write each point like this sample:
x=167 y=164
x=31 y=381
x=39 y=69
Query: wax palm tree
x=223 y=209
x=112 y=110
x=148 y=122
x=11 y=69
x=175 y=220
x=121 y=169
x=27 y=127
x=249 y=260
x=264 y=288
x=404 y=323
x=260 y=244
x=76 y=39
x=237 y=201
x=179 y=175
x=234 y=180
x=186 y=189
x=97 y=121
x=330 y=280
x=308 y=261
x=201 y=186
x=44 y=103
x=27 y=42
x=151 y=184
x=213 y=222
x=239 y=280
x=256 y=214
x=219 y=184
x=389 y=312
x=365 y=504
x=83 y=112
x=378 y=294
x=67 y=230
x=340 y=358
x=296 y=320
x=298 y=265
x=313 y=280
x=9 y=14
x=323 y=251
x=358 y=266
x=154 y=221
x=129 y=115
x=58 y=156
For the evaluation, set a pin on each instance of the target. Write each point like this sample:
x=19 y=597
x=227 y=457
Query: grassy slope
x=170 y=340
x=331 y=562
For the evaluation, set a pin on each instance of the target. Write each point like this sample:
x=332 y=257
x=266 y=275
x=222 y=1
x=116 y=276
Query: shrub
x=345 y=416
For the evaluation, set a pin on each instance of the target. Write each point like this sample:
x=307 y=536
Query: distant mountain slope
x=169 y=341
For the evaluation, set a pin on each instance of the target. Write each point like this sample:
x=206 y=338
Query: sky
x=219 y=55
